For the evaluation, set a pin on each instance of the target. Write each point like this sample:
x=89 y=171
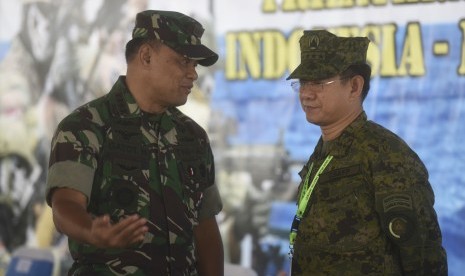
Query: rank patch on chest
x=340 y=173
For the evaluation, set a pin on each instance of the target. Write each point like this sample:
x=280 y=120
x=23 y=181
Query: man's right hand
x=125 y=232
x=72 y=219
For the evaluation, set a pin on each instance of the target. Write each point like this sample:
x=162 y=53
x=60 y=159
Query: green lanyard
x=304 y=199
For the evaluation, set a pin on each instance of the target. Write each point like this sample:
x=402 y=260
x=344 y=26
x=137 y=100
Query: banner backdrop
x=57 y=54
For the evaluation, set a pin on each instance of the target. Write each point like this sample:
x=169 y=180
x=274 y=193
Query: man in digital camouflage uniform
x=365 y=206
x=131 y=178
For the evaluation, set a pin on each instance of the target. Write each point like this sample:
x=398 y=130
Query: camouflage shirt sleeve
x=404 y=202
x=73 y=156
x=212 y=204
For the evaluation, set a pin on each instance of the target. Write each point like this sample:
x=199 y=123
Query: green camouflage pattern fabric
x=323 y=54
x=158 y=166
x=178 y=31
x=371 y=211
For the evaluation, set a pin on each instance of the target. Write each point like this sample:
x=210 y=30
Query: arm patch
x=397 y=216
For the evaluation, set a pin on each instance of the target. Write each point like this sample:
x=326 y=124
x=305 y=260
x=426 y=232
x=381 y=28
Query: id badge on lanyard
x=303 y=202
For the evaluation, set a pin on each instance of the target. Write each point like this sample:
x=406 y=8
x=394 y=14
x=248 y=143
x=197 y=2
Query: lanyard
x=304 y=199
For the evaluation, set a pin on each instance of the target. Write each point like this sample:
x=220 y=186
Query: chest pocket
x=194 y=171
x=123 y=188
x=342 y=215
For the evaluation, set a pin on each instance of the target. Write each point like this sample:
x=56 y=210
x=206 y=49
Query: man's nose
x=307 y=94
x=192 y=72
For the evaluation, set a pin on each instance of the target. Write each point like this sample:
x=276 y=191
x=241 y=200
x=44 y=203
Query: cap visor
x=201 y=53
x=296 y=74
x=313 y=71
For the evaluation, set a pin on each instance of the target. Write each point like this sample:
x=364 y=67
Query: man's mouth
x=187 y=88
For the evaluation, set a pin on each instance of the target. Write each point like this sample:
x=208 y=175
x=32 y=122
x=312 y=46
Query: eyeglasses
x=314 y=86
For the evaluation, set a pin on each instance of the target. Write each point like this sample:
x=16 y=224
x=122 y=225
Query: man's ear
x=356 y=84
x=145 y=54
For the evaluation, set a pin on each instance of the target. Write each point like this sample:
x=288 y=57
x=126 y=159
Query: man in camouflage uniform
x=365 y=205
x=131 y=178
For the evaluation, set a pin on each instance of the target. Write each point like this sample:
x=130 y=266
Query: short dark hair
x=133 y=46
x=363 y=70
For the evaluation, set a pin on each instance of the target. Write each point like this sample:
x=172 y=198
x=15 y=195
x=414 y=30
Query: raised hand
x=126 y=232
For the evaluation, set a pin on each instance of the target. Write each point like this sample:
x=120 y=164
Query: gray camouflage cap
x=324 y=54
x=176 y=30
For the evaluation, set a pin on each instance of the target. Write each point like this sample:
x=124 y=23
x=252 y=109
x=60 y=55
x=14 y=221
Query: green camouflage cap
x=324 y=54
x=176 y=30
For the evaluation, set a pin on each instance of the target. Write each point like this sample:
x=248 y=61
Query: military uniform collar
x=122 y=103
x=341 y=145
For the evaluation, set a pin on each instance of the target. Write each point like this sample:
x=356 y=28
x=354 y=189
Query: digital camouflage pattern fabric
x=371 y=212
x=178 y=31
x=159 y=166
x=324 y=54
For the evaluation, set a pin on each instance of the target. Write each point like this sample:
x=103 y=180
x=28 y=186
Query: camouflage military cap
x=176 y=30
x=324 y=54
